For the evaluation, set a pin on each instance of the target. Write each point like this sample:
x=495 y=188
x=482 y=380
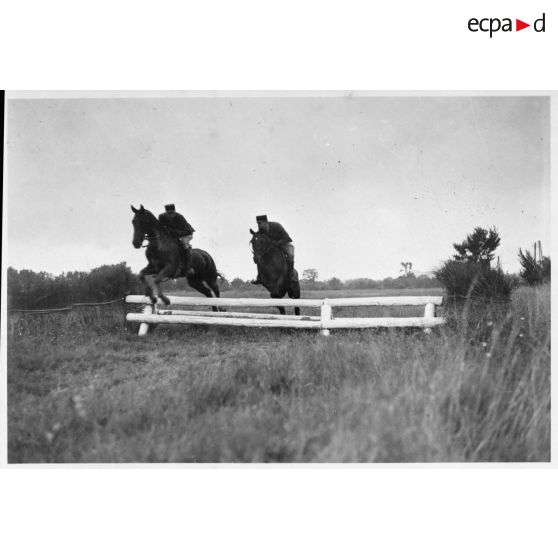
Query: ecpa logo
x=492 y=25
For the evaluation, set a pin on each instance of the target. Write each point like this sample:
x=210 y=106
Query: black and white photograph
x=277 y=277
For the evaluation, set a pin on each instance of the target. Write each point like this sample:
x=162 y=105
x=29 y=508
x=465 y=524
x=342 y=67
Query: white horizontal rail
x=207 y=320
x=230 y=302
x=386 y=301
x=234 y=315
x=356 y=323
x=338 y=323
x=301 y=302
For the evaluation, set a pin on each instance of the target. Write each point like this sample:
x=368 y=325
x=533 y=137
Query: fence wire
x=66 y=309
x=455 y=298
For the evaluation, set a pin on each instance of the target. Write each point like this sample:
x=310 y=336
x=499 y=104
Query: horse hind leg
x=215 y=288
x=212 y=275
x=202 y=288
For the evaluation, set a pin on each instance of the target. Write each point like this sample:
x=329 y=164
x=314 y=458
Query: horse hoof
x=153 y=299
x=165 y=300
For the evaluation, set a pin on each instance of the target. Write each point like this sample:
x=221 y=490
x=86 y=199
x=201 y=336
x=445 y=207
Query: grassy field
x=87 y=389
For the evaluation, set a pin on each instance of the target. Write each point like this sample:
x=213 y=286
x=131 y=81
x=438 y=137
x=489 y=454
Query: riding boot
x=290 y=270
x=188 y=262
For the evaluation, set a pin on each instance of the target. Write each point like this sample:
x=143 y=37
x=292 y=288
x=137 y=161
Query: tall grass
x=478 y=390
x=85 y=319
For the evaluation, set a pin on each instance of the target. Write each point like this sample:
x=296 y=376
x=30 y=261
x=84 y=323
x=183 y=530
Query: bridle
x=270 y=246
x=150 y=238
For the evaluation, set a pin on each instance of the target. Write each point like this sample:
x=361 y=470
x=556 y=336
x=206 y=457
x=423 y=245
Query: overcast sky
x=360 y=183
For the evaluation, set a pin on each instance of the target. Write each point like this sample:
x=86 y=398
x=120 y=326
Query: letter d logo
x=538 y=26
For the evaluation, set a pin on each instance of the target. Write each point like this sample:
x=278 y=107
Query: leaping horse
x=165 y=259
x=274 y=271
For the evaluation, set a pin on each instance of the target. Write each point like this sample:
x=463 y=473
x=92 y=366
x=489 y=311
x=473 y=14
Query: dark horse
x=273 y=268
x=165 y=259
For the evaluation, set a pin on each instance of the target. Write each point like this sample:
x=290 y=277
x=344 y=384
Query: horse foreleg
x=294 y=292
x=143 y=276
x=163 y=274
x=280 y=308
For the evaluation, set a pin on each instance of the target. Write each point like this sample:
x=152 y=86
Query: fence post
x=325 y=316
x=429 y=312
x=147 y=309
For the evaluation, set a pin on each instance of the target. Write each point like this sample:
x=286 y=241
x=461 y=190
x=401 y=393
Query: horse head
x=261 y=243
x=145 y=224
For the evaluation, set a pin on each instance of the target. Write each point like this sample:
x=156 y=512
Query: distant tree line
x=310 y=281
x=40 y=290
x=470 y=272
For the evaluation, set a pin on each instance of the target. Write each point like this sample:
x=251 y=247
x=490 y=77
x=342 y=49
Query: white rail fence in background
x=153 y=314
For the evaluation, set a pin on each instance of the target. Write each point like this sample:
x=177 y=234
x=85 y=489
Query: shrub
x=32 y=290
x=534 y=272
x=478 y=247
x=470 y=279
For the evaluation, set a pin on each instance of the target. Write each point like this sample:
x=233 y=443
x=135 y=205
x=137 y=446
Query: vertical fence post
x=147 y=309
x=325 y=316
x=429 y=312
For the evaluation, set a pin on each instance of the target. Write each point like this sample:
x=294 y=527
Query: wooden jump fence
x=154 y=314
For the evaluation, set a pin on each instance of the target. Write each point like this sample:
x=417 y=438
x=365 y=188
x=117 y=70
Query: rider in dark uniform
x=281 y=238
x=175 y=225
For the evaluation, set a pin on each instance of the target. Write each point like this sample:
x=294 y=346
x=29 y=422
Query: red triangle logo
x=519 y=25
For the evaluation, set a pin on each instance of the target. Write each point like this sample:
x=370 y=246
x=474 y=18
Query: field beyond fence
x=82 y=387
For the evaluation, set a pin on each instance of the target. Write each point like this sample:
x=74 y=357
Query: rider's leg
x=289 y=250
x=185 y=242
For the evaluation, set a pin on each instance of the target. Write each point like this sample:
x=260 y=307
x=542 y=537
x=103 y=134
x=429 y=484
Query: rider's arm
x=183 y=226
x=278 y=234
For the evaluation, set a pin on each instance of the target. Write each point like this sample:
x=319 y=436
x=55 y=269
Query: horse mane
x=153 y=220
x=152 y=215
